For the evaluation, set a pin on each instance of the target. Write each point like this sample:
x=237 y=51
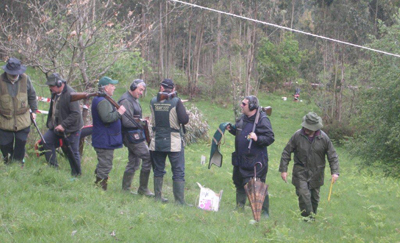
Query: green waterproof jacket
x=309 y=158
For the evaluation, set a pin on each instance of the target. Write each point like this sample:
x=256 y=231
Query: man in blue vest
x=17 y=97
x=246 y=156
x=169 y=115
x=106 y=134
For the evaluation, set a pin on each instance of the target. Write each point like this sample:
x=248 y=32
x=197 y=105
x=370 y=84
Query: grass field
x=41 y=204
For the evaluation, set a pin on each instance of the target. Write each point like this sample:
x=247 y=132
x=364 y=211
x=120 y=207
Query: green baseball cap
x=106 y=81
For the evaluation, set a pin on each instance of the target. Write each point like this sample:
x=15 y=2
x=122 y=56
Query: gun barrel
x=81 y=95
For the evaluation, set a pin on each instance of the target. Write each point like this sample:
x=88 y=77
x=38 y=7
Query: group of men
x=118 y=124
x=114 y=125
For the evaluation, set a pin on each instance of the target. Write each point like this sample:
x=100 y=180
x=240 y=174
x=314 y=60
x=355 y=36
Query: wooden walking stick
x=330 y=190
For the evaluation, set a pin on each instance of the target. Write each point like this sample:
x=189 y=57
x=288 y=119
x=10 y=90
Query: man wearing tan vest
x=17 y=96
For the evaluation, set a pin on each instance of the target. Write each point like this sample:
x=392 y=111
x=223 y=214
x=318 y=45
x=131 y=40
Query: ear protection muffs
x=59 y=80
x=253 y=102
x=136 y=83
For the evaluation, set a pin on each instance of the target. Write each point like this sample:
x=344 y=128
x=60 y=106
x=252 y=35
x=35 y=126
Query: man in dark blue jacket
x=244 y=159
x=106 y=134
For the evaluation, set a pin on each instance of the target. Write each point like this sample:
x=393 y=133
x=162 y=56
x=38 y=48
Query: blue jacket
x=105 y=135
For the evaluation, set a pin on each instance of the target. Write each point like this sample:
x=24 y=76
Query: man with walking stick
x=310 y=145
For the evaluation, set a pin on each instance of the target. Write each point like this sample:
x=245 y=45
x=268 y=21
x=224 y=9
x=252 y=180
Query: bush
x=338 y=131
x=197 y=128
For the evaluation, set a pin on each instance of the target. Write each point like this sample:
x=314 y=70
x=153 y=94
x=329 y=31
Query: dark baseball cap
x=168 y=83
x=53 y=79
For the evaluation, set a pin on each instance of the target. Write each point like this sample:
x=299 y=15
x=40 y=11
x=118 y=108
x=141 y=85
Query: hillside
x=40 y=204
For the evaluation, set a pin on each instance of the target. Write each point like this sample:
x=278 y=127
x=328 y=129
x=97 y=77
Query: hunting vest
x=105 y=135
x=14 y=111
x=166 y=128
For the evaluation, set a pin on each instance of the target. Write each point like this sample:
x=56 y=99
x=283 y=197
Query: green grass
x=41 y=204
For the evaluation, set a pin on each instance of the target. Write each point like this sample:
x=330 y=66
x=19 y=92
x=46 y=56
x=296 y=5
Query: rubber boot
x=179 y=193
x=143 y=187
x=158 y=183
x=127 y=180
x=7 y=150
x=240 y=201
x=315 y=207
x=98 y=179
x=265 y=207
x=103 y=184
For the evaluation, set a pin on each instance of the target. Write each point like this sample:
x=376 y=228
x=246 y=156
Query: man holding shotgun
x=310 y=145
x=106 y=134
x=253 y=133
x=134 y=138
x=64 y=121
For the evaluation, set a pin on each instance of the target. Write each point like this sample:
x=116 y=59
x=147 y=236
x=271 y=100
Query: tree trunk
x=161 y=46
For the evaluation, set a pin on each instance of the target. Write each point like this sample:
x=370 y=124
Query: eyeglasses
x=244 y=104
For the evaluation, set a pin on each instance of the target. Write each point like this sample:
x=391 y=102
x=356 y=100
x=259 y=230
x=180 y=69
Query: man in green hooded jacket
x=310 y=145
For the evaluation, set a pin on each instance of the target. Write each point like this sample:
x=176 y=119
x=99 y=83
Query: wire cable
x=286 y=28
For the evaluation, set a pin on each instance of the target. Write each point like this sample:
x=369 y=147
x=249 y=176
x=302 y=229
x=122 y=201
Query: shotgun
x=255 y=124
x=137 y=122
x=82 y=95
x=37 y=128
x=268 y=111
x=166 y=96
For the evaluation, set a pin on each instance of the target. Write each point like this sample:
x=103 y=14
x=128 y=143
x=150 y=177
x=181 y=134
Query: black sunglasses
x=244 y=104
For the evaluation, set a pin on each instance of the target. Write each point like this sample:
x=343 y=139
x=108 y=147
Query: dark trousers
x=308 y=199
x=177 y=160
x=13 y=144
x=105 y=159
x=241 y=176
x=137 y=151
x=70 y=146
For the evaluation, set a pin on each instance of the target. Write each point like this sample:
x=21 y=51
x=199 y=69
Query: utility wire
x=286 y=28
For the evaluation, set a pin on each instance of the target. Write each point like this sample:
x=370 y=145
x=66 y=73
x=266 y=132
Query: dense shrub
x=338 y=131
x=197 y=128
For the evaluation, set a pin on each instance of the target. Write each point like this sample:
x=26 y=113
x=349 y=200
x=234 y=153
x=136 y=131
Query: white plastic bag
x=209 y=200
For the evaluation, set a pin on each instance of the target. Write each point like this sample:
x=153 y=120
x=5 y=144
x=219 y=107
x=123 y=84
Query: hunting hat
x=312 y=121
x=54 y=79
x=106 y=81
x=168 y=83
x=14 y=67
